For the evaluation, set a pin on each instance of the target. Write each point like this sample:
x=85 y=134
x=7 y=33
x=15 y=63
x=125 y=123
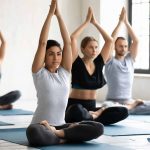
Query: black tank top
x=81 y=79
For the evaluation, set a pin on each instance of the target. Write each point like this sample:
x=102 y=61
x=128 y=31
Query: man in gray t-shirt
x=119 y=70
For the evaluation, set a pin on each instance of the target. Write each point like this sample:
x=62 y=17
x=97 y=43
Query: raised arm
x=135 y=42
x=108 y=40
x=2 y=47
x=67 y=54
x=40 y=54
x=117 y=28
x=115 y=32
x=77 y=33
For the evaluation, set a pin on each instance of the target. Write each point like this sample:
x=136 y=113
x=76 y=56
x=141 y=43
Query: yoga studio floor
x=130 y=134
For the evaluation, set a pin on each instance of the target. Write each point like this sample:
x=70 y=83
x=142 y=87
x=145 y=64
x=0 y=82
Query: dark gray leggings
x=10 y=97
x=39 y=135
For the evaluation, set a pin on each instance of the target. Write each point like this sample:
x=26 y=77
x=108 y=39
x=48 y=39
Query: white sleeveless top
x=52 y=93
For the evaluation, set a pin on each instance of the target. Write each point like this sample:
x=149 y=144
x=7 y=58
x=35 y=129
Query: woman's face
x=91 y=49
x=53 y=57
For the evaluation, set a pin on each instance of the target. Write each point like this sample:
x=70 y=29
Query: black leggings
x=9 y=97
x=39 y=135
x=78 y=110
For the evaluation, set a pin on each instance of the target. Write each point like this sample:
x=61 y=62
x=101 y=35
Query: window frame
x=139 y=71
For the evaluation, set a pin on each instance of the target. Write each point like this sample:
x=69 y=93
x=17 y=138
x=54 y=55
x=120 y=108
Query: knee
x=119 y=110
x=32 y=134
x=122 y=111
x=39 y=135
x=76 y=113
x=17 y=94
x=95 y=128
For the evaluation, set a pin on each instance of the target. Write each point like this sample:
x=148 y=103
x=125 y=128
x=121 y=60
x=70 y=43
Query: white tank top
x=52 y=93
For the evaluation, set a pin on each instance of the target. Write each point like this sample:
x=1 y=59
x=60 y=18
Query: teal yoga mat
x=123 y=130
x=143 y=118
x=18 y=136
x=5 y=123
x=15 y=112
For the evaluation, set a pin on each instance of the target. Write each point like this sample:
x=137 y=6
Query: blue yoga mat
x=15 y=112
x=122 y=130
x=143 y=118
x=18 y=136
x=88 y=146
x=5 y=123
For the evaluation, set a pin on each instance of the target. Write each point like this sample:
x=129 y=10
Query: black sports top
x=81 y=79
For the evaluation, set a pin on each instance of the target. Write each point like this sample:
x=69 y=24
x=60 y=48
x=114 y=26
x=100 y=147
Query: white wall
x=21 y=22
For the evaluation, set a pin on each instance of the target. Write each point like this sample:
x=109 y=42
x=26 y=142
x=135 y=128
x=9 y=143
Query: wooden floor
x=138 y=142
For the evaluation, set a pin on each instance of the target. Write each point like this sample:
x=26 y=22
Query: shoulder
x=78 y=59
x=62 y=70
x=99 y=60
x=39 y=73
x=128 y=57
x=110 y=61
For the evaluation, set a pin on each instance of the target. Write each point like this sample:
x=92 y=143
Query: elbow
x=110 y=40
x=68 y=42
x=72 y=37
x=42 y=43
x=137 y=40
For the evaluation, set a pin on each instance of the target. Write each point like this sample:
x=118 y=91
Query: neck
x=52 y=70
x=87 y=60
x=118 y=57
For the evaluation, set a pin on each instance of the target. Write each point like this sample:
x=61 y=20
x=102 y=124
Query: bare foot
x=96 y=114
x=136 y=103
x=46 y=124
x=58 y=133
x=6 y=107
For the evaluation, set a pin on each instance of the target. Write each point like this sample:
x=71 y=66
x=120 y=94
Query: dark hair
x=119 y=38
x=86 y=40
x=51 y=43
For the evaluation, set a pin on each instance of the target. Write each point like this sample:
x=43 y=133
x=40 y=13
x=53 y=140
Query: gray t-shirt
x=52 y=93
x=119 y=76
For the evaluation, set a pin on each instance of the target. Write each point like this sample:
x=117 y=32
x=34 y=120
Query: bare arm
x=115 y=32
x=2 y=47
x=135 y=42
x=40 y=54
x=77 y=33
x=105 y=52
x=67 y=54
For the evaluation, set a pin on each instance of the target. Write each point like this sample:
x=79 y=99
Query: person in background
x=51 y=70
x=87 y=77
x=9 y=98
x=119 y=69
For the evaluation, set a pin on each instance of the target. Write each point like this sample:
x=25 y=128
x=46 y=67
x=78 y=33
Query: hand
x=52 y=7
x=93 y=20
x=125 y=16
x=122 y=15
x=46 y=124
x=89 y=15
x=57 y=12
x=0 y=35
